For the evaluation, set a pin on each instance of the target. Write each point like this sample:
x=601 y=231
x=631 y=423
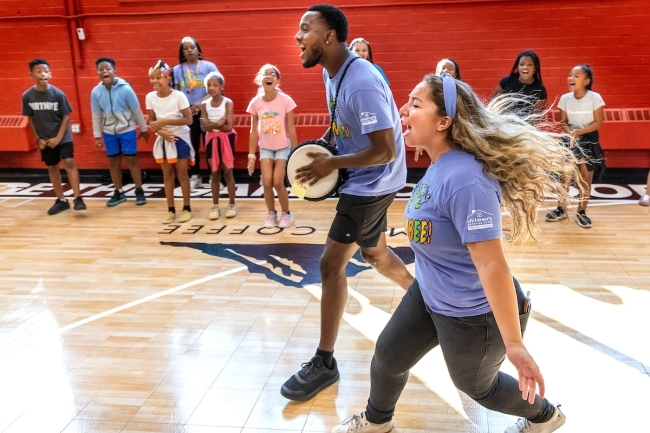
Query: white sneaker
x=285 y=221
x=271 y=220
x=359 y=424
x=645 y=200
x=215 y=212
x=231 y=211
x=195 y=182
x=524 y=426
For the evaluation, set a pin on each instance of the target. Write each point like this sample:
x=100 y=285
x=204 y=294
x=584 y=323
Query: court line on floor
x=151 y=297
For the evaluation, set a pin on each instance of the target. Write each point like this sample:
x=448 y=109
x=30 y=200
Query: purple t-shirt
x=365 y=104
x=189 y=78
x=454 y=203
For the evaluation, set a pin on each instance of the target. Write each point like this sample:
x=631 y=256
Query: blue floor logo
x=281 y=256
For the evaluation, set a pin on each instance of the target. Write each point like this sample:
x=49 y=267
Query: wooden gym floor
x=112 y=322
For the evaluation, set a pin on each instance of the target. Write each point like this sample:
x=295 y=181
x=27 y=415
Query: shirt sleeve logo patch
x=479 y=219
x=368 y=118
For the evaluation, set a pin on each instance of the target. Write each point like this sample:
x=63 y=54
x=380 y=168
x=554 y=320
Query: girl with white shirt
x=169 y=117
x=581 y=111
x=217 y=117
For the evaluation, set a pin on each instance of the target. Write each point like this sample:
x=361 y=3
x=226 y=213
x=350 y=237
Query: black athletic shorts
x=587 y=149
x=361 y=219
x=53 y=155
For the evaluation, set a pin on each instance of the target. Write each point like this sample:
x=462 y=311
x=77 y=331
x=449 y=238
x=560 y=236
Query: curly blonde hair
x=524 y=154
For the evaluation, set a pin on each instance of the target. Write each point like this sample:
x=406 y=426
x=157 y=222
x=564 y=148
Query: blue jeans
x=473 y=350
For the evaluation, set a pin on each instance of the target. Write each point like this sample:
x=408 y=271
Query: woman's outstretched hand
x=529 y=375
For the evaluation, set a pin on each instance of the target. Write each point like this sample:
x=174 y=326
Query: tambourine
x=326 y=186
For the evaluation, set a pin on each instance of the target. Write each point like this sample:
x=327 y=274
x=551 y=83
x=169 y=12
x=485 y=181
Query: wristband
x=252 y=155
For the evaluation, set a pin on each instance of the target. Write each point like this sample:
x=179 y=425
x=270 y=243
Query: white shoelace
x=354 y=422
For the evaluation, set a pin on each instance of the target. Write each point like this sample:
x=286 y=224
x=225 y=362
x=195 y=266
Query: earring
x=200 y=56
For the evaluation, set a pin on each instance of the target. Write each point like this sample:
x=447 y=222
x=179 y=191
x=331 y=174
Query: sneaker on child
x=186 y=215
x=117 y=198
x=79 y=203
x=583 y=220
x=215 y=212
x=556 y=215
x=524 y=426
x=139 y=197
x=286 y=220
x=59 y=206
x=271 y=220
x=645 y=200
x=169 y=217
x=231 y=211
x=195 y=182
x=359 y=424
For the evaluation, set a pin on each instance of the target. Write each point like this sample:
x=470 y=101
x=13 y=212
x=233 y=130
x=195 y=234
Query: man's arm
x=381 y=151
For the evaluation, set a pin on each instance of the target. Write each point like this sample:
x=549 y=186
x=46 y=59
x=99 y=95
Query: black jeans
x=195 y=136
x=473 y=350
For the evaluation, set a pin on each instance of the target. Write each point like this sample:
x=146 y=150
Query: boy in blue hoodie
x=116 y=111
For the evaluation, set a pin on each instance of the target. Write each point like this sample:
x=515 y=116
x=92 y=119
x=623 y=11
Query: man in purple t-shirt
x=368 y=133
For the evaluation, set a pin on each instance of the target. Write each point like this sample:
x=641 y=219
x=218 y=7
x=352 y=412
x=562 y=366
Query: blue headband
x=449 y=93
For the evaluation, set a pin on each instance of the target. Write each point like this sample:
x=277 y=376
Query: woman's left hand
x=529 y=375
x=196 y=109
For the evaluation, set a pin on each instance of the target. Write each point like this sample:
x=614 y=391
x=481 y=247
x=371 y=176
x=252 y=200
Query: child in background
x=273 y=129
x=189 y=75
x=581 y=111
x=169 y=117
x=449 y=66
x=217 y=118
x=361 y=47
x=48 y=112
x=116 y=111
x=526 y=79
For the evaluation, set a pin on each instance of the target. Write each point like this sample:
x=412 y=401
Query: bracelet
x=252 y=155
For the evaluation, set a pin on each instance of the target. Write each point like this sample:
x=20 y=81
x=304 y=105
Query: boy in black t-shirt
x=49 y=118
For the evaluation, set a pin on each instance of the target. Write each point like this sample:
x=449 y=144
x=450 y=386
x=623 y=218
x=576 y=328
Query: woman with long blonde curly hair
x=464 y=297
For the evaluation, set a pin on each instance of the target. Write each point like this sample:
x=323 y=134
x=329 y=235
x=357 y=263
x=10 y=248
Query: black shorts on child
x=587 y=149
x=360 y=219
x=53 y=155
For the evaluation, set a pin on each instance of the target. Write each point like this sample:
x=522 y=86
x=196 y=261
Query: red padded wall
x=408 y=38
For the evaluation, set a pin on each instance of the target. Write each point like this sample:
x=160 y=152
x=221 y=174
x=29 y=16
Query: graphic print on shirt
x=479 y=219
x=50 y=106
x=368 y=118
x=418 y=231
x=342 y=131
x=269 y=123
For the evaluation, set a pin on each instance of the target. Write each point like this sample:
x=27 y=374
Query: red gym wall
x=408 y=38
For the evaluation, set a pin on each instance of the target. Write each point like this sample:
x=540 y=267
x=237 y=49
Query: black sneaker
x=118 y=197
x=313 y=377
x=79 y=204
x=557 y=215
x=139 y=197
x=583 y=220
x=59 y=206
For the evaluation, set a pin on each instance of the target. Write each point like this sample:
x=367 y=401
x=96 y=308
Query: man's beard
x=315 y=54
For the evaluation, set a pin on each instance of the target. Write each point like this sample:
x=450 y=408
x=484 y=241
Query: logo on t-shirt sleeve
x=368 y=118
x=479 y=219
